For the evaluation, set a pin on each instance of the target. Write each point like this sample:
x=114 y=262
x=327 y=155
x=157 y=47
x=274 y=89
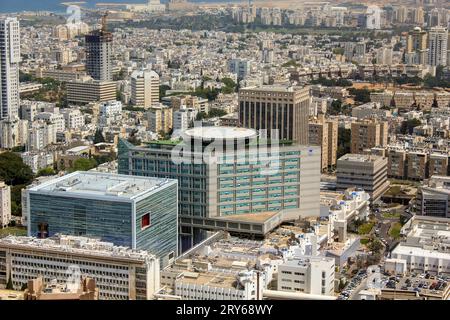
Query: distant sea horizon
x=10 y=6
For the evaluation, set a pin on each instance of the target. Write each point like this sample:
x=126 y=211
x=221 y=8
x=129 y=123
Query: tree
x=9 y=285
x=408 y=126
x=361 y=95
x=162 y=91
x=375 y=246
x=84 y=164
x=13 y=171
x=98 y=137
x=336 y=107
x=49 y=171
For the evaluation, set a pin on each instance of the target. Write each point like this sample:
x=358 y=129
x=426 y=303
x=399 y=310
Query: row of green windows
x=274 y=204
x=258 y=183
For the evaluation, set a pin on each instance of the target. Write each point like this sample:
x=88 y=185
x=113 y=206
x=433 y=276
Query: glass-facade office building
x=136 y=212
x=232 y=186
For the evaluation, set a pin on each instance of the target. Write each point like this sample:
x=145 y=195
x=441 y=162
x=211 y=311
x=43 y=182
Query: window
x=145 y=221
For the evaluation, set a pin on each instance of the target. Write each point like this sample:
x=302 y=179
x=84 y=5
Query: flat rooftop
x=77 y=245
x=359 y=158
x=212 y=279
x=277 y=88
x=98 y=184
x=405 y=250
x=220 y=133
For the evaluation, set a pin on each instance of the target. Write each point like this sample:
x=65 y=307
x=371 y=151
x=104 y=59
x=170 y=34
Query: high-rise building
x=9 y=67
x=368 y=172
x=417 y=47
x=99 y=54
x=282 y=108
x=120 y=273
x=437 y=45
x=324 y=133
x=419 y=16
x=367 y=134
x=144 y=88
x=136 y=212
x=219 y=187
x=5 y=204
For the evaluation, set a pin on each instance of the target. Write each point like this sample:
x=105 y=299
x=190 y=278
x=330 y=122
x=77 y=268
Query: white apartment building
x=119 y=272
x=73 y=118
x=9 y=66
x=219 y=286
x=307 y=274
x=183 y=118
x=40 y=135
x=109 y=112
x=144 y=88
x=5 y=204
x=13 y=133
x=37 y=160
x=437 y=44
x=54 y=118
x=28 y=110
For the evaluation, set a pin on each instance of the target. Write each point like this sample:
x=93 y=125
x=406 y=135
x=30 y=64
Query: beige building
x=120 y=273
x=86 y=91
x=13 y=133
x=38 y=290
x=417 y=165
x=396 y=163
x=285 y=108
x=368 y=172
x=160 y=119
x=367 y=134
x=60 y=75
x=416 y=47
x=144 y=88
x=438 y=164
x=5 y=204
x=188 y=101
x=324 y=133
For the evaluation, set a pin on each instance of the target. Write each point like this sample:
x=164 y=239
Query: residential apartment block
x=324 y=133
x=367 y=134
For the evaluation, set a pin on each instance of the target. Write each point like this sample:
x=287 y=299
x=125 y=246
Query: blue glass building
x=137 y=212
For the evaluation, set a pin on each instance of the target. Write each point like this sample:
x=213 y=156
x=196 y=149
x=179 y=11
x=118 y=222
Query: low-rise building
x=86 y=91
x=119 y=272
x=307 y=274
x=425 y=248
x=433 y=199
